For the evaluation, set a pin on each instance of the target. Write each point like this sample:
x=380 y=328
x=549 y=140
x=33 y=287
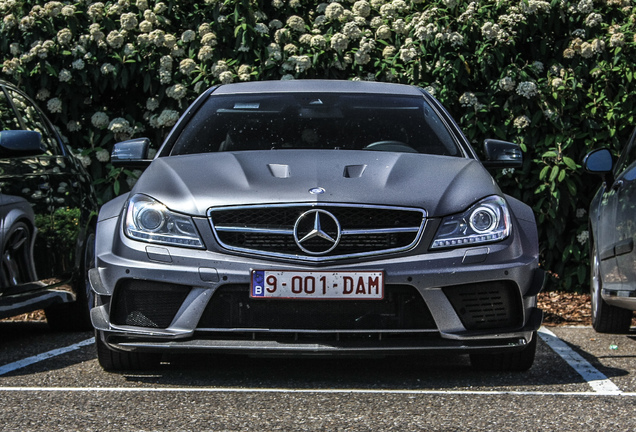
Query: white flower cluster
x=585 y=6
x=245 y=72
x=115 y=39
x=490 y=30
x=468 y=14
x=177 y=91
x=408 y=52
x=363 y=55
x=507 y=84
x=64 y=75
x=84 y=159
x=533 y=7
x=522 y=122
x=617 y=40
x=557 y=83
x=43 y=94
x=299 y=63
x=107 y=68
x=152 y=104
x=54 y=105
x=102 y=155
x=167 y=118
x=64 y=36
x=339 y=42
x=296 y=23
x=527 y=89
x=468 y=99
x=583 y=237
x=74 y=126
x=584 y=49
x=593 y=19
x=120 y=126
x=100 y=120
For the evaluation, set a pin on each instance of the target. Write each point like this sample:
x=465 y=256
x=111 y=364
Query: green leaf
x=561 y=177
x=569 y=162
x=554 y=173
x=571 y=187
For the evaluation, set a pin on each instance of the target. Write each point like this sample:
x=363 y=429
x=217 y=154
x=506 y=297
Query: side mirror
x=502 y=154
x=131 y=153
x=599 y=161
x=15 y=143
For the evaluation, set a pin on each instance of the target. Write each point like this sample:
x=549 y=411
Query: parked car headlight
x=486 y=222
x=149 y=220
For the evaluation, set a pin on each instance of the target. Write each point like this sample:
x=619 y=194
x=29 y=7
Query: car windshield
x=316 y=121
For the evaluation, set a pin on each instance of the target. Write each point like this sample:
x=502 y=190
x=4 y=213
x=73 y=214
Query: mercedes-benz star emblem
x=316 y=191
x=317 y=232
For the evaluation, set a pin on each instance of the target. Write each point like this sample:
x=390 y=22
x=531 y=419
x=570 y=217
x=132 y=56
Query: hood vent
x=354 y=171
x=279 y=171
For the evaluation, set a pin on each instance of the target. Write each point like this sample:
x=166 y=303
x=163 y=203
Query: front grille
x=401 y=309
x=146 y=303
x=486 y=305
x=345 y=231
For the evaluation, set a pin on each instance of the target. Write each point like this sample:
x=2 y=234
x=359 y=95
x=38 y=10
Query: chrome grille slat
x=364 y=230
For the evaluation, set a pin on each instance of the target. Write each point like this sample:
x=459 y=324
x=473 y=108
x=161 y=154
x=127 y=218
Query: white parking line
x=40 y=357
x=306 y=391
x=597 y=380
x=600 y=384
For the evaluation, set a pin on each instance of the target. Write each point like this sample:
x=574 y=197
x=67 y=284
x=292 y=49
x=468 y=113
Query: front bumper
x=200 y=274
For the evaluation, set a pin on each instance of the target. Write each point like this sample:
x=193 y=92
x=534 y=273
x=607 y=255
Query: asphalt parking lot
x=581 y=380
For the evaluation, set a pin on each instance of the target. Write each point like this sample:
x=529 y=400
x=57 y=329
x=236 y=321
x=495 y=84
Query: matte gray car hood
x=439 y=184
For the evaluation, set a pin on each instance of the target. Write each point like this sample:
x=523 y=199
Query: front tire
x=605 y=318
x=516 y=361
x=117 y=361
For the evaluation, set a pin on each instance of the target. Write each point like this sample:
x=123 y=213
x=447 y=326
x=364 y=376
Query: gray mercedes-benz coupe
x=316 y=218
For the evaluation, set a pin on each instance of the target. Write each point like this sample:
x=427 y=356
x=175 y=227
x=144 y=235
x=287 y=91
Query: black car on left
x=48 y=209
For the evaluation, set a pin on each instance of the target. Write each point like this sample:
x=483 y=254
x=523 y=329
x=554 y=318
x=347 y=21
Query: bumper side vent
x=486 y=305
x=147 y=303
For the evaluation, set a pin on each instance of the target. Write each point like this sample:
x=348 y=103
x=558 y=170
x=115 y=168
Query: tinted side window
x=33 y=121
x=628 y=156
x=8 y=119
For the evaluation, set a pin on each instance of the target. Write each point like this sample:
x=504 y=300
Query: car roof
x=315 y=86
x=7 y=84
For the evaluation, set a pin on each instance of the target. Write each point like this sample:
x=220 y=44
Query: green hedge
x=556 y=77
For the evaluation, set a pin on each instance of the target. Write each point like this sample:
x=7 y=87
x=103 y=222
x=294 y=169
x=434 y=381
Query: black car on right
x=612 y=219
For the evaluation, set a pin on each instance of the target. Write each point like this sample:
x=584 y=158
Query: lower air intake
x=401 y=309
x=486 y=305
x=147 y=303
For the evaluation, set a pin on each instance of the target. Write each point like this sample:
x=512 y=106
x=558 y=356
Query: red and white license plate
x=323 y=285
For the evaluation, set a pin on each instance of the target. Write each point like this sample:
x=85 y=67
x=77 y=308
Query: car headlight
x=149 y=220
x=486 y=222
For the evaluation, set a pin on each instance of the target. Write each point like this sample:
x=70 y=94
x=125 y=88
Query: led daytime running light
x=486 y=222
x=150 y=221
